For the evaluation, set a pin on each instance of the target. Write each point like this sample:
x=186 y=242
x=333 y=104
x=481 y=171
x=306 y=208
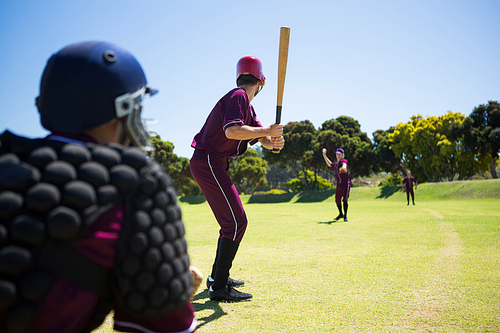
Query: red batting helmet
x=250 y=65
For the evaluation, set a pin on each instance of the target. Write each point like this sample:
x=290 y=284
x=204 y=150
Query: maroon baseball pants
x=209 y=170
x=342 y=193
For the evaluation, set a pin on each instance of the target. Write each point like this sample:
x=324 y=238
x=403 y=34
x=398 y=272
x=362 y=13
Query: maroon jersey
x=409 y=182
x=231 y=110
x=341 y=178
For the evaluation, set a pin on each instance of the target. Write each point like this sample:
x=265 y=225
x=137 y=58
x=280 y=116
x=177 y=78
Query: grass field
x=432 y=267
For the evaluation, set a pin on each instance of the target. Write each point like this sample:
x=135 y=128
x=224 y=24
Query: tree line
x=447 y=147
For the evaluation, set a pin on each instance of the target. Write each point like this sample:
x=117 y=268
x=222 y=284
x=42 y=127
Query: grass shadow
x=193 y=199
x=387 y=191
x=271 y=198
x=315 y=196
x=330 y=222
x=202 y=302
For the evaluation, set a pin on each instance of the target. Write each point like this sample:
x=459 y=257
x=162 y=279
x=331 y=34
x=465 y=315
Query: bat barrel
x=282 y=60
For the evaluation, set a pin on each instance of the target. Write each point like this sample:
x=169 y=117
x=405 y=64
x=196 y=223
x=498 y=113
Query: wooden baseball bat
x=282 y=61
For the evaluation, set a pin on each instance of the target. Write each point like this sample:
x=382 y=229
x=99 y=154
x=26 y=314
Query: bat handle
x=278 y=114
x=278 y=120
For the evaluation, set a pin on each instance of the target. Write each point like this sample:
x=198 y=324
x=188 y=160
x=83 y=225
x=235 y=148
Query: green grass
x=432 y=267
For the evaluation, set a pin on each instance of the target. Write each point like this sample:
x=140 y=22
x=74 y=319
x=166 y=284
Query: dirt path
x=435 y=295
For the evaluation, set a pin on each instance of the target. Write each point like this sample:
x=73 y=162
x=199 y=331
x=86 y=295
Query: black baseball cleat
x=228 y=294
x=345 y=219
x=230 y=282
x=339 y=217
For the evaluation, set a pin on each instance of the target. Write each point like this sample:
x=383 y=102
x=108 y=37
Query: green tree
x=481 y=131
x=248 y=171
x=385 y=159
x=427 y=147
x=298 y=151
x=277 y=177
x=176 y=167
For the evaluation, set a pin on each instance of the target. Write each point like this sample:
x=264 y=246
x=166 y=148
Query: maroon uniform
x=343 y=182
x=209 y=163
x=409 y=182
x=231 y=110
x=209 y=166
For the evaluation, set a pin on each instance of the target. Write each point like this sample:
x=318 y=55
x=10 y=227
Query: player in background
x=100 y=229
x=342 y=180
x=229 y=128
x=408 y=183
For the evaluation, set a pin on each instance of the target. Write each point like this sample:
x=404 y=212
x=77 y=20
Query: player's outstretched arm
x=327 y=160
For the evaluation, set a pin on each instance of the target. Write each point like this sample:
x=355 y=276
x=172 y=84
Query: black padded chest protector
x=51 y=192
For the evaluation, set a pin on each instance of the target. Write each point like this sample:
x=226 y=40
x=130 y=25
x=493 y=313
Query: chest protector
x=51 y=193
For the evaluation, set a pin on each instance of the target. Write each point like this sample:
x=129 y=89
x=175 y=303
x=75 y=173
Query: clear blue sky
x=379 y=62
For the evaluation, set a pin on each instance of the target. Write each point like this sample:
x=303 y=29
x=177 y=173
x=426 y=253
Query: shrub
x=393 y=180
x=273 y=191
x=297 y=185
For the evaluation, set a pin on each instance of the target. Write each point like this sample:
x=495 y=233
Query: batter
x=230 y=127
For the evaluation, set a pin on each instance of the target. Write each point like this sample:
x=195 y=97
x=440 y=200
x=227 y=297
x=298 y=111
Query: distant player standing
x=230 y=127
x=409 y=181
x=342 y=179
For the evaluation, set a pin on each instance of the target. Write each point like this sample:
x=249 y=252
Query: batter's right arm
x=245 y=132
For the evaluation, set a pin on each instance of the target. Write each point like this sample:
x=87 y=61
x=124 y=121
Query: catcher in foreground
x=88 y=223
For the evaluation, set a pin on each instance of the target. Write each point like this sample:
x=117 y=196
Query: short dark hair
x=246 y=79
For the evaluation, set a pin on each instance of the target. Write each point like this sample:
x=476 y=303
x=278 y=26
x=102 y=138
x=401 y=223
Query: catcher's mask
x=130 y=106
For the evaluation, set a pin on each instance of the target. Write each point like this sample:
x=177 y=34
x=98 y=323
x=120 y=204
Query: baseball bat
x=282 y=61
